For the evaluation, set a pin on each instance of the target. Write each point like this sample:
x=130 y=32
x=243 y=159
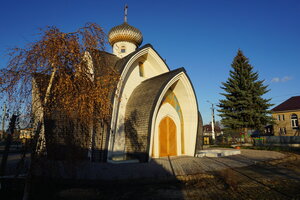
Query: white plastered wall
x=130 y=79
x=166 y=110
x=187 y=100
x=128 y=46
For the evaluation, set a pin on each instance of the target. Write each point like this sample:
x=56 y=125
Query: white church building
x=154 y=109
x=155 y=113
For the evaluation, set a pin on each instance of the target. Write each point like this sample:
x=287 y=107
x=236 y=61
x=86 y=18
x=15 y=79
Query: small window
x=278 y=117
x=283 y=117
x=280 y=132
x=123 y=49
x=294 y=120
x=141 y=69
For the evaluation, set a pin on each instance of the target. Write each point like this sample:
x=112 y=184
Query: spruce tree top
x=243 y=106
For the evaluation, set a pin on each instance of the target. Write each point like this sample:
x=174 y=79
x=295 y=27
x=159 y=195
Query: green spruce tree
x=244 y=107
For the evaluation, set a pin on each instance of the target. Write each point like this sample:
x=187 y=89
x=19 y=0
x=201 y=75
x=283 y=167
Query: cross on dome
x=124 y=38
x=125 y=13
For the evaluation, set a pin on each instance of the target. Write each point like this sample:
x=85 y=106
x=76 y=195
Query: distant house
x=207 y=133
x=26 y=133
x=286 y=116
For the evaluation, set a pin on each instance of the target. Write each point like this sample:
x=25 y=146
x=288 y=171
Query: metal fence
x=293 y=141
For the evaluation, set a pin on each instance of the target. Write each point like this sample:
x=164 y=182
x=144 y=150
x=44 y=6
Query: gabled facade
x=154 y=104
x=287 y=116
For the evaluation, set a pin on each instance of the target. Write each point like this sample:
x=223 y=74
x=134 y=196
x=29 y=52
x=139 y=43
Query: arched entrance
x=167 y=137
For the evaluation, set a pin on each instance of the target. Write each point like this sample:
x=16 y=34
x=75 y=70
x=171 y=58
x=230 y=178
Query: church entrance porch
x=167 y=138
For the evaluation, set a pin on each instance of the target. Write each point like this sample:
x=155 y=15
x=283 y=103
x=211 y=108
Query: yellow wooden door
x=167 y=138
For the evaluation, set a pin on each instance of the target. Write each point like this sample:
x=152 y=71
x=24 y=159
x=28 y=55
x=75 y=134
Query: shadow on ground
x=235 y=177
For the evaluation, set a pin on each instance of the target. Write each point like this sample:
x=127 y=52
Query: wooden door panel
x=167 y=137
x=172 y=138
x=163 y=150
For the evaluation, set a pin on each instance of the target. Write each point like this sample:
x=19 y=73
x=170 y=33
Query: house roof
x=292 y=103
x=208 y=128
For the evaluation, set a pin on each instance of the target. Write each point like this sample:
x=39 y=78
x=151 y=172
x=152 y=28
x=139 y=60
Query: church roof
x=292 y=103
x=103 y=59
x=142 y=102
x=112 y=60
x=120 y=65
x=150 y=88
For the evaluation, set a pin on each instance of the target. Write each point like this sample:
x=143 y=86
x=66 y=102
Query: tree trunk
x=39 y=142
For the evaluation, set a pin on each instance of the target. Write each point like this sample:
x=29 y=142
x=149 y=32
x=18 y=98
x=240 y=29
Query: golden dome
x=125 y=32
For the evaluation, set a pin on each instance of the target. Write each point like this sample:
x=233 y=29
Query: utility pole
x=212 y=121
x=3 y=121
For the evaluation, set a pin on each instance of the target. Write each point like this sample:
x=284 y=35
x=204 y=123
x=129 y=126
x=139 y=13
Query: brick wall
x=283 y=123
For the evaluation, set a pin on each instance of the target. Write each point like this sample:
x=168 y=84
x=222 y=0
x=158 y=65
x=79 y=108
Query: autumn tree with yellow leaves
x=54 y=77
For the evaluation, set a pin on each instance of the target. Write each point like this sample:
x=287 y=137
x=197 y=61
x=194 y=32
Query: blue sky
x=202 y=36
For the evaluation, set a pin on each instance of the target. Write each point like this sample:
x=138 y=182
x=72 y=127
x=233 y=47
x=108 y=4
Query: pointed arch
x=153 y=65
